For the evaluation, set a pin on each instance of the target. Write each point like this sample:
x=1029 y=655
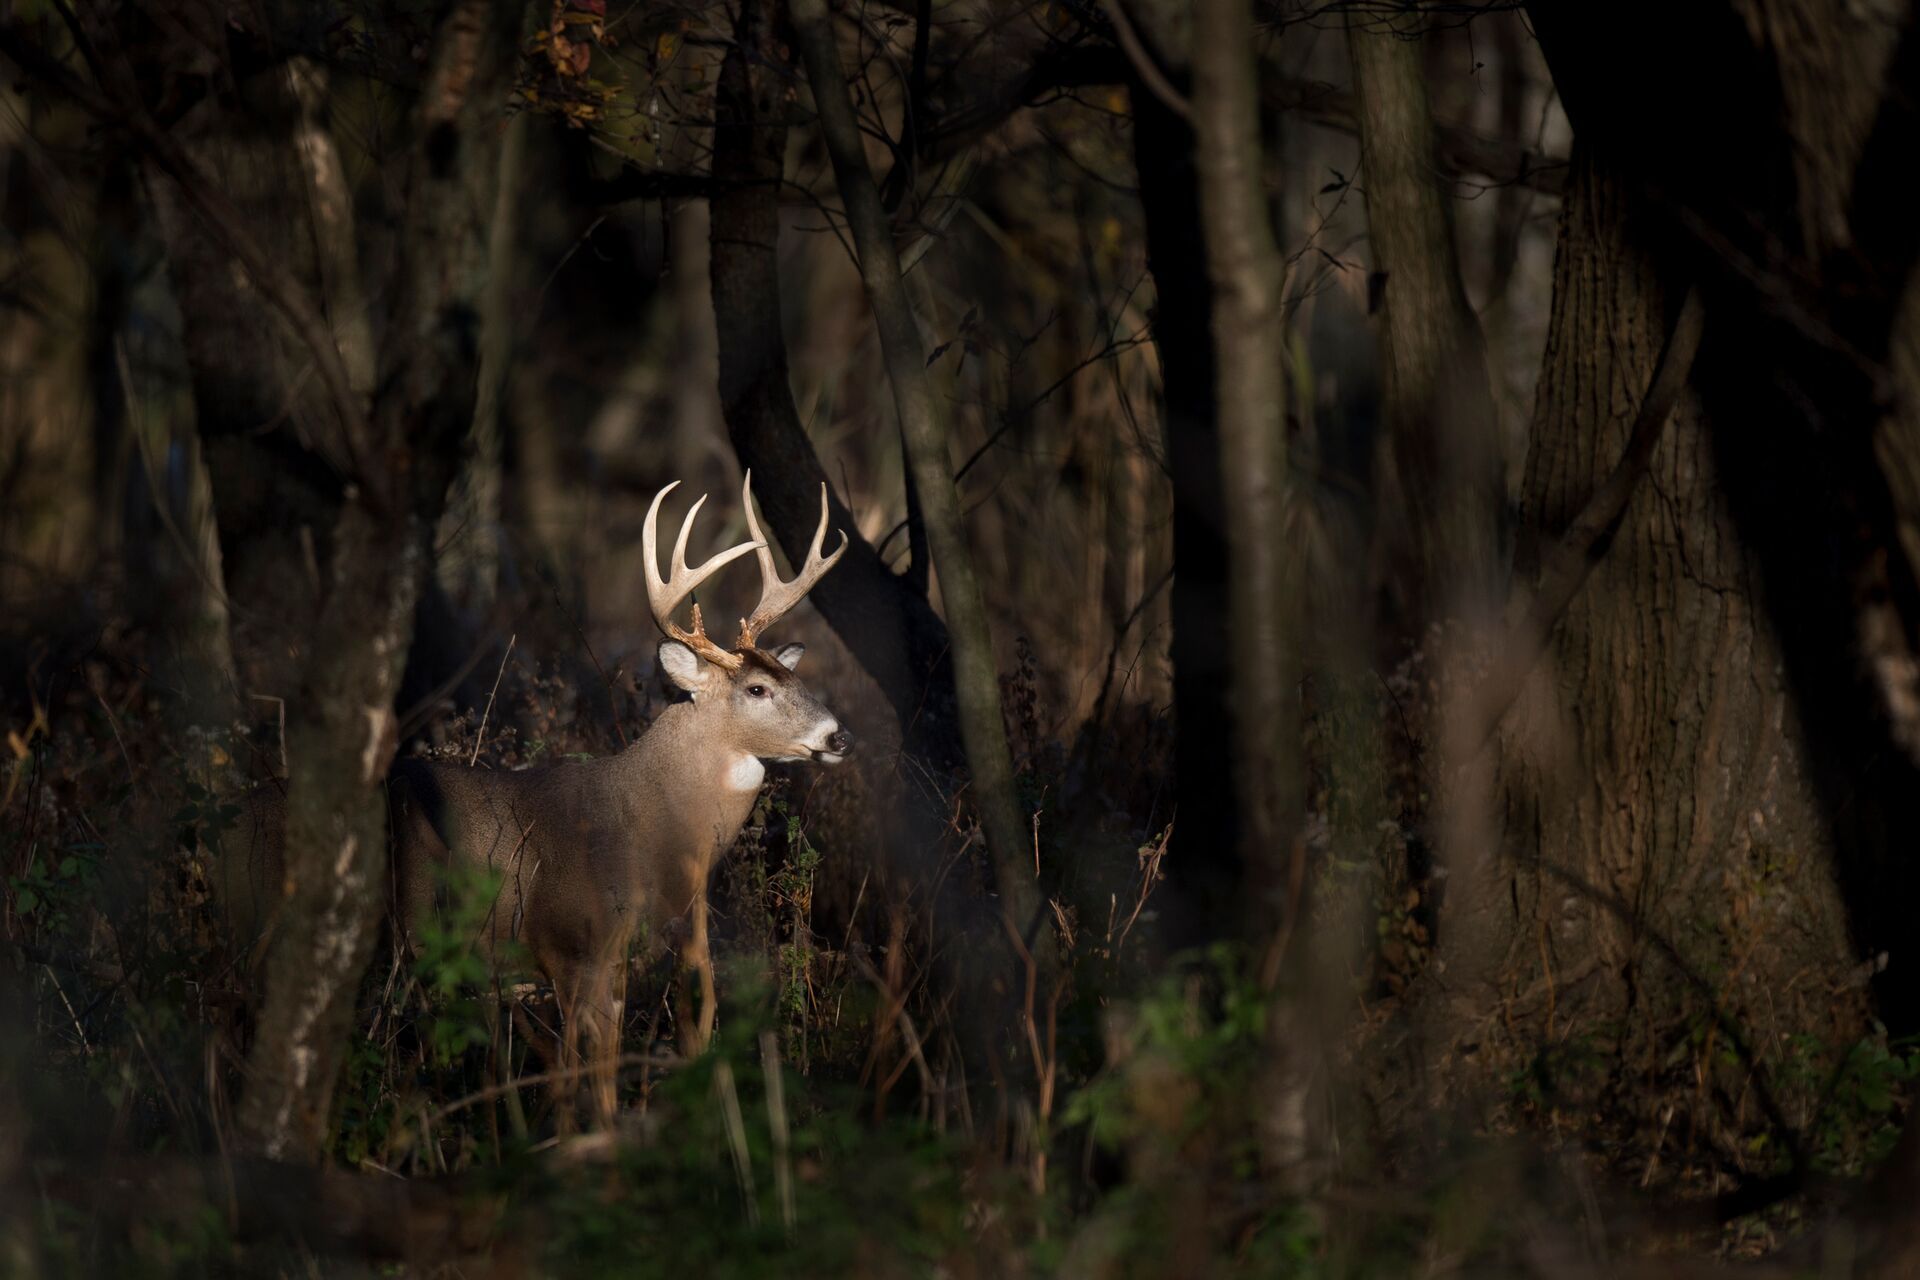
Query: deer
x=594 y=855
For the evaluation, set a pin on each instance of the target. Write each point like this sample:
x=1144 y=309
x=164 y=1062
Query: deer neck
x=684 y=764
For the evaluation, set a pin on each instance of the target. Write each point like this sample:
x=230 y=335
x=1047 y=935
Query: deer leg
x=695 y=972
x=601 y=1015
x=589 y=984
x=568 y=975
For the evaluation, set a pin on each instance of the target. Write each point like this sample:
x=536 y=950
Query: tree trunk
x=1440 y=473
x=1662 y=910
x=1706 y=794
x=1702 y=793
x=1244 y=267
x=341 y=732
x=330 y=215
x=891 y=630
x=976 y=675
x=1248 y=332
x=1205 y=871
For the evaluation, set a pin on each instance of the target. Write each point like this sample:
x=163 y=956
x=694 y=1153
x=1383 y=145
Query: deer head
x=749 y=696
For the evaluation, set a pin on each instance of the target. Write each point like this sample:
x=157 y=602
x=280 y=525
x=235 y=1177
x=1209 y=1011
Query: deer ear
x=683 y=666
x=789 y=655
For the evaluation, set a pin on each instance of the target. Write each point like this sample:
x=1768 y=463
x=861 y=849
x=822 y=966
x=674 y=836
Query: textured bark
x=1705 y=796
x=976 y=676
x=1248 y=333
x=329 y=201
x=1244 y=267
x=341 y=732
x=1440 y=478
x=1205 y=874
x=891 y=630
x=1658 y=815
x=340 y=741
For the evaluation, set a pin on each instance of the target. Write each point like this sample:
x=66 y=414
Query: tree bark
x=341 y=733
x=1440 y=473
x=976 y=675
x=891 y=630
x=1243 y=265
x=1248 y=331
x=1205 y=874
x=1703 y=794
x=1666 y=865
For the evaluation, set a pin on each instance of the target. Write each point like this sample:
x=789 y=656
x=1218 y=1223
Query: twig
x=1046 y=1062
x=413 y=717
x=62 y=991
x=481 y=737
x=1143 y=64
x=113 y=722
x=894 y=1010
x=777 y=1125
x=1012 y=418
x=736 y=1126
x=558 y=1075
x=1149 y=874
x=1099 y=715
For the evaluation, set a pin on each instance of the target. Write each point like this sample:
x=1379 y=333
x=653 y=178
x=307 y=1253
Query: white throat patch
x=745 y=774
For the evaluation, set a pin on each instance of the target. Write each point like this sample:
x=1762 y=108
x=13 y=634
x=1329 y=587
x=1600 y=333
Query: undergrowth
x=849 y=1119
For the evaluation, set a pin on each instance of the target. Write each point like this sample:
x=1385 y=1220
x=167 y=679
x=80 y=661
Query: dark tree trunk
x=1205 y=871
x=1785 y=186
x=1706 y=800
x=891 y=629
x=1513 y=201
x=1243 y=264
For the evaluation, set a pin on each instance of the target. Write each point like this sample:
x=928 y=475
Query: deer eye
x=756 y=691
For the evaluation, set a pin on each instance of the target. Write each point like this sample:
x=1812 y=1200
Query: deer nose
x=839 y=742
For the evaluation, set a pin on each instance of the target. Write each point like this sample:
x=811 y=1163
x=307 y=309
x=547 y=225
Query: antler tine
x=663 y=597
x=777 y=597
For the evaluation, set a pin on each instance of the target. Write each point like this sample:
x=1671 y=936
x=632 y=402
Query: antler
x=777 y=597
x=665 y=597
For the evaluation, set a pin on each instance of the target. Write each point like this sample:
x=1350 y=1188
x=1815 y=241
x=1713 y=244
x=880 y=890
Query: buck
x=592 y=855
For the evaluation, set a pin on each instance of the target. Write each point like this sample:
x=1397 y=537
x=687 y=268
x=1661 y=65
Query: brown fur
x=592 y=855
